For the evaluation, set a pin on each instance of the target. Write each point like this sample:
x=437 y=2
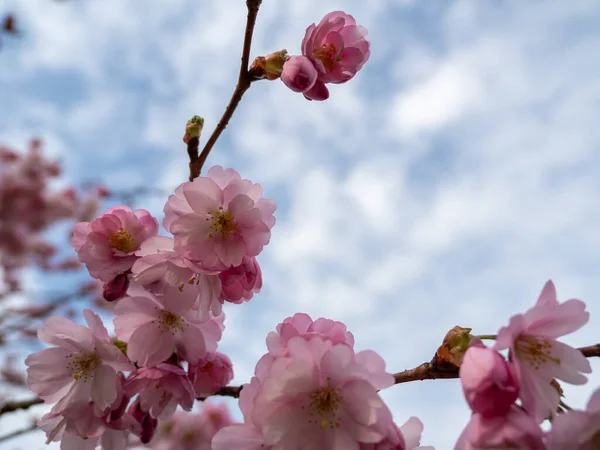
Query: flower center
x=83 y=366
x=170 y=322
x=188 y=437
x=206 y=367
x=223 y=223
x=534 y=351
x=324 y=407
x=122 y=241
x=326 y=54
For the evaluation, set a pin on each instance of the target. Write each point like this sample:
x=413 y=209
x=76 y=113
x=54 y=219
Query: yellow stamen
x=325 y=403
x=223 y=223
x=122 y=241
x=326 y=54
x=83 y=366
x=536 y=352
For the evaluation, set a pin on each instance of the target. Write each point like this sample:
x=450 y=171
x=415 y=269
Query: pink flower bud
x=116 y=288
x=299 y=74
x=147 y=422
x=211 y=374
x=489 y=382
x=239 y=283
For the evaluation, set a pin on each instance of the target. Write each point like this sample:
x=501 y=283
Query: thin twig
x=591 y=351
x=24 y=404
x=243 y=84
x=16 y=433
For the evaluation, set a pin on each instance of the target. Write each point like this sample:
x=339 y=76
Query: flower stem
x=487 y=336
x=243 y=84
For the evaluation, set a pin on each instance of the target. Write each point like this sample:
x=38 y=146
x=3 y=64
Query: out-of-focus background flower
x=443 y=185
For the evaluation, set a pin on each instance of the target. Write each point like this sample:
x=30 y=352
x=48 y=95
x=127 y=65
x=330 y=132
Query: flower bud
x=268 y=67
x=116 y=288
x=212 y=372
x=489 y=382
x=455 y=344
x=299 y=74
x=147 y=422
x=239 y=283
x=193 y=128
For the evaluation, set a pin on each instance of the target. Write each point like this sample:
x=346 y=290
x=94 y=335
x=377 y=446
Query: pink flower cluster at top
x=312 y=391
x=492 y=384
x=169 y=294
x=28 y=207
x=332 y=52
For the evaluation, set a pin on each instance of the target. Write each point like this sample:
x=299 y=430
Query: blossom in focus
x=489 y=382
x=536 y=354
x=154 y=327
x=577 y=430
x=299 y=74
x=337 y=48
x=161 y=388
x=320 y=396
x=82 y=367
x=517 y=430
x=211 y=373
x=240 y=283
x=218 y=219
x=107 y=245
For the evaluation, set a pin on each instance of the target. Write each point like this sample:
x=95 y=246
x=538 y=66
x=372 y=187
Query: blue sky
x=443 y=185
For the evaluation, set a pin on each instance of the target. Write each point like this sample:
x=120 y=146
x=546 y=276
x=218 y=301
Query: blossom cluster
x=332 y=52
x=536 y=360
x=169 y=293
x=313 y=391
x=28 y=207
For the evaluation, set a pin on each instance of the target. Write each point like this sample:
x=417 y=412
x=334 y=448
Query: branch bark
x=243 y=84
x=426 y=371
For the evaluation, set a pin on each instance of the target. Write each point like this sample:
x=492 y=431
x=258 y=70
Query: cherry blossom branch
x=17 y=433
x=245 y=78
x=432 y=370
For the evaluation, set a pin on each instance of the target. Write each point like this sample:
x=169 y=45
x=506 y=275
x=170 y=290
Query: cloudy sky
x=443 y=185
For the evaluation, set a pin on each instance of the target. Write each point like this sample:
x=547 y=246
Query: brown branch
x=243 y=84
x=24 y=404
x=427 y=371
x=16 y=433
x=435 y=371
x=591 y=351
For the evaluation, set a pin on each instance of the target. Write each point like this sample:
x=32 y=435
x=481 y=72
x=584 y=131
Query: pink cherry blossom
x=489 y=382
x=536 y=354
x=154 y=327
x=161 y=388
x=211 y=373
x=320 y=396
x=82 y=367
x=516 y=430
x=299 y=74
x=107 y=245
x=240 y=283
x=337 y=47
x=218 y=219
x=159 y=265
x=301 y=324
x=577 y=430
